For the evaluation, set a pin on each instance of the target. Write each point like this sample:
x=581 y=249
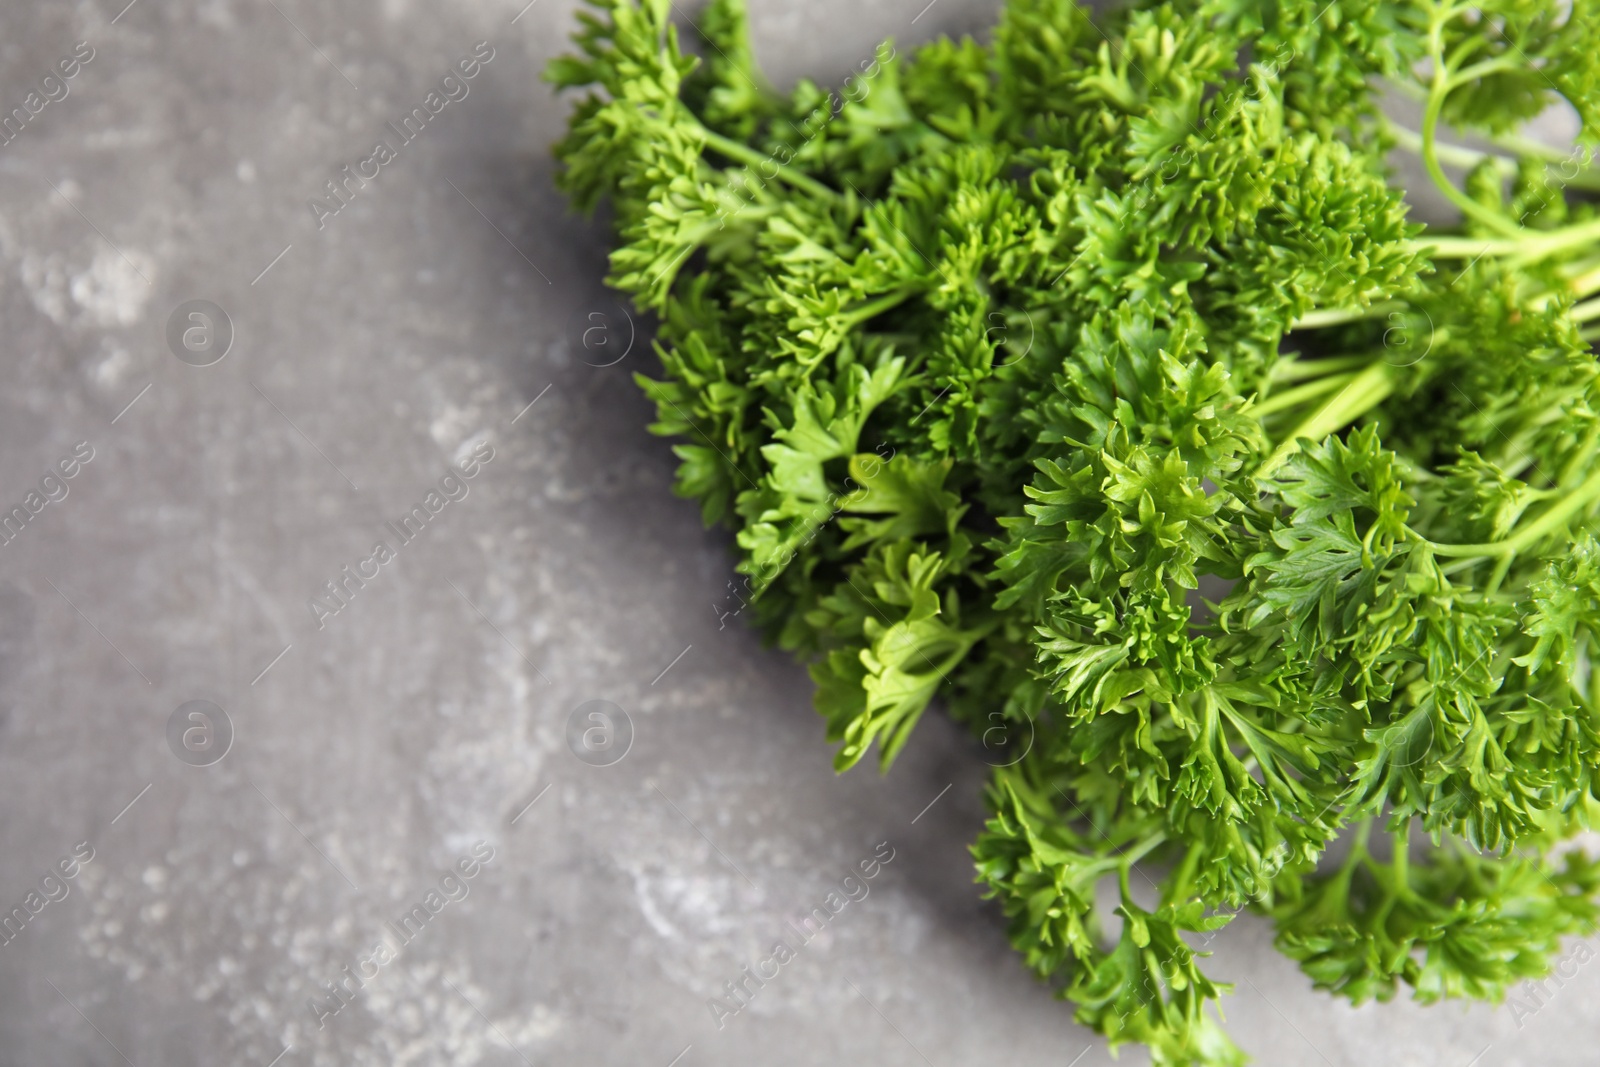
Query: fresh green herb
x=996 y=360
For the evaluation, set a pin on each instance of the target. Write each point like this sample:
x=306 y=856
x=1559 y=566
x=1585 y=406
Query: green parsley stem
x=1362 y=393
x=1461 y=156
x=1552 y=518
x=1547 y=244
x=1323 y=317
x=1502 y=567
x=1586 y=311
x=1401 y=858
x=1299 y=394
x=1339 y=884
x=1452 y=247
x=1358 y=847
x=743 y=153
x=1133 y=855
x=1585 y=281
x=1442 y=84
x=1453 y=154
x=1295 y=370
x=873 y=308
x=1180 y=883
x=1527 y=146
x=1482 y=70
x=1520 y=251
x=1580 y=460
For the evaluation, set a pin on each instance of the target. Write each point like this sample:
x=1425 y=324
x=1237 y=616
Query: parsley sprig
x=1095 y=382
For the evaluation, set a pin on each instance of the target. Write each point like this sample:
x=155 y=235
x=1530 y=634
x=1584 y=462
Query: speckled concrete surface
x=379 y=749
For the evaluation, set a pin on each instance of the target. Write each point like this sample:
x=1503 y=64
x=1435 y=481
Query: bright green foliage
x=1003 y=359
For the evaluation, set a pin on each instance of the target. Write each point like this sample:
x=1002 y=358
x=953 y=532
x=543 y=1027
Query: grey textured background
x=428 y=713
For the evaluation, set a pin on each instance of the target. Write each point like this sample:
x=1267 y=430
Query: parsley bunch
x=1094 y=381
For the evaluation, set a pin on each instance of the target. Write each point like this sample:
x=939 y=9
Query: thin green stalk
x=1294 y=370
x=1300 y=394
x=1466 y=158
x=872 y=308
x=1586 y=311
x=1502 y=567
x=1361 y=394
x=743 y=153
x=1358 y=855
x=1393 y=877
x=1138 y=852
x=1555 y=241
x=1580 y=460
x=1438 y=92
x=1449 y=246
x=1358 y=847
x=1526 y=146
x=1180 y=883
x=1580 y=285
x=1324 y=317
x=1552 y=518
x=1453 y=154
x=1480 y=70
x=1520 y=251
x=1399 y=863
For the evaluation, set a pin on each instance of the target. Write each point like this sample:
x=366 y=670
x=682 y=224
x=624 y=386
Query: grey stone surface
x=370 y=755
